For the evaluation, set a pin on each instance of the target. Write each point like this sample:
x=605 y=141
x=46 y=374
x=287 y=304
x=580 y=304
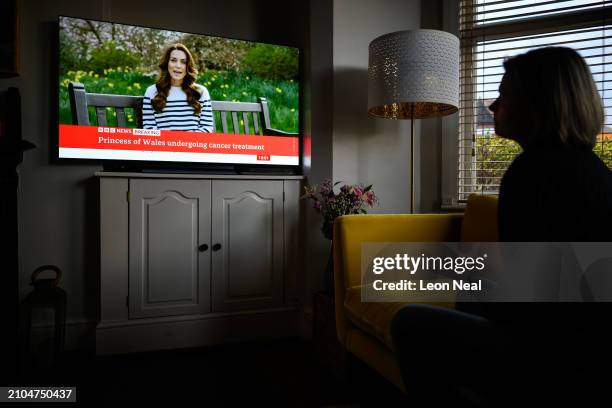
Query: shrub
x=109 y=55
x=272 y=61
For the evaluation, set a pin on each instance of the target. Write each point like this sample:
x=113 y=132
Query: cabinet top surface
x=196 y=176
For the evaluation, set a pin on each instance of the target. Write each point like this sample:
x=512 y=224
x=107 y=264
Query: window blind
x=493 y=30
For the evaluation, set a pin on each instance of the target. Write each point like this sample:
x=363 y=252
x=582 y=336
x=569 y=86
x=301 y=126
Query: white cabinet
x=195 y=260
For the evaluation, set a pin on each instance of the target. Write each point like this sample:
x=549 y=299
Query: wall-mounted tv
x=136 y=94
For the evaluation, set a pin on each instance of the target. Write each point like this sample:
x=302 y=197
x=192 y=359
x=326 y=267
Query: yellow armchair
x=362 y=327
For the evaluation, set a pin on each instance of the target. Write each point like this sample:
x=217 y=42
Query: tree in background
x=493 y=155
x=219 y=54
x=95 y=46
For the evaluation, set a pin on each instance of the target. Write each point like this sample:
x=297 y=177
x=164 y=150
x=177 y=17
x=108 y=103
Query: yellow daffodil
x=278 y=90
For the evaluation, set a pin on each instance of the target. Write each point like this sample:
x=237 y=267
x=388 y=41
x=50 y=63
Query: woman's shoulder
x=520 y=165
x=559 y=166
x=151 y=91
x=203 y=91
x=572 y=159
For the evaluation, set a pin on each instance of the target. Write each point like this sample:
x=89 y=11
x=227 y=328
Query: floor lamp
x=413 y=74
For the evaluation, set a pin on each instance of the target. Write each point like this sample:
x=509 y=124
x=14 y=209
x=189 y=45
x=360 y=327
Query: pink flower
x=327 y=187
x=351 y=199
x=370 y=198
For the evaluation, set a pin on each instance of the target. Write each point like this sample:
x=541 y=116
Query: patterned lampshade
x=413 y=74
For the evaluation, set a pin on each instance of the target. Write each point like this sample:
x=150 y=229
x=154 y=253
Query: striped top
x=178 y=114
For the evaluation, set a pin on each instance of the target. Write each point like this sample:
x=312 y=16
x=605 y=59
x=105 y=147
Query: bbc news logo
x=127 y=131
x=263 y=157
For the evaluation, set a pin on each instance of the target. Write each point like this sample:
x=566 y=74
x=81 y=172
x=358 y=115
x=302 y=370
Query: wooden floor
x=283 y=373
x=279 y=373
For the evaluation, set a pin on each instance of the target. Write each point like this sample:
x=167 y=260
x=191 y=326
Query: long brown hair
x=559 y=97
x=164 y=81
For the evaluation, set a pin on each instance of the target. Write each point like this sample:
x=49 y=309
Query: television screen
x=144 y=94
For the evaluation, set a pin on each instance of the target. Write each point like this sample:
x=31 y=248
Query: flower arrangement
x=352 y=199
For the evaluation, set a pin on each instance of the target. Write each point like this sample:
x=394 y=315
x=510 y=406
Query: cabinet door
x=169 y=271
x=247 y=238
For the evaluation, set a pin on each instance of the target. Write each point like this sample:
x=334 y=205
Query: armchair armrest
x=351 y=230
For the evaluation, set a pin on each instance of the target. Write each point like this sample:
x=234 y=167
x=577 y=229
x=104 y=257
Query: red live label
x=265 y=157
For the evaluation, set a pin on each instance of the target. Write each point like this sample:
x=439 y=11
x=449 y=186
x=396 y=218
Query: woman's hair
x=164 y=81
x=558 y=97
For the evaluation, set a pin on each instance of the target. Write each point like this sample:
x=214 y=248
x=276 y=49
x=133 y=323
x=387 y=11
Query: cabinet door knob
x=203 y=248
x=216 y=247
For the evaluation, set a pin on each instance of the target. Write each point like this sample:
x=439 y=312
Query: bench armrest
x=276 y=132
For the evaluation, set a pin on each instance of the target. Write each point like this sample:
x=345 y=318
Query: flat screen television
x=145 y=96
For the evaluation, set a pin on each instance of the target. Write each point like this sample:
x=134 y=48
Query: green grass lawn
x=282 y=95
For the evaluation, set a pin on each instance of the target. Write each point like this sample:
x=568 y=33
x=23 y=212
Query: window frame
x=591 y=17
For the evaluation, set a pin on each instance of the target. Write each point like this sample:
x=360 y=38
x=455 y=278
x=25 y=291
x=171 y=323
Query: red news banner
x=258 y=148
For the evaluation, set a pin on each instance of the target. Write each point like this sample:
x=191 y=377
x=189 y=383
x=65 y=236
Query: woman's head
x=177 y=68
x=548 y=98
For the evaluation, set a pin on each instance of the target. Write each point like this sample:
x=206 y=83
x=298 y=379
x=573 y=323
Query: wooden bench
x=255 y=115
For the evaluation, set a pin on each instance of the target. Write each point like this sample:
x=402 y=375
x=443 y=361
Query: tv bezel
x=121 y=165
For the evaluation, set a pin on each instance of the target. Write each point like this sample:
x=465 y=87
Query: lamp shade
x=413 y=74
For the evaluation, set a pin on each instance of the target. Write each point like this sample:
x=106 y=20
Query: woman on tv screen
x=175 y=101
